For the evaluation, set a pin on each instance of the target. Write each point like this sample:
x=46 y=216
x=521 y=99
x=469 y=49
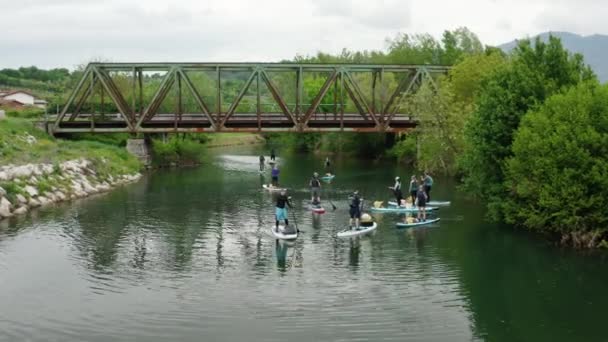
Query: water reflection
x=188 y=254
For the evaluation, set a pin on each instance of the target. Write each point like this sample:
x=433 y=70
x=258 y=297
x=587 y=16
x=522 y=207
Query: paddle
x=296 y=222
x=332 y=203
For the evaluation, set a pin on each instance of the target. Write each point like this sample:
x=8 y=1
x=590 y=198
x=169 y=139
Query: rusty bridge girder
x=201 y=97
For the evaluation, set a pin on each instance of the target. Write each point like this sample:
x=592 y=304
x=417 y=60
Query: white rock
x=31 y=191
x=2 y=192
x=50 y=196
x=33 y=180
x=5 y=208
x=33 y=203
x=23 y=171
x=3 y=175
x=21 y=199
x=60 y=196
x=43 y=200
x=20 y=210
x=87 y=187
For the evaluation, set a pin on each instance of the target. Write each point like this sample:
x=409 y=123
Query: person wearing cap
x=397 y=190
x=315 y=188
x=355 y=210
x=281 y=212
x=413 y=189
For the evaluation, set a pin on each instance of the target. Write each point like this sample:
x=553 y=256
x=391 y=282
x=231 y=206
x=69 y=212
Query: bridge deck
x=237 y=123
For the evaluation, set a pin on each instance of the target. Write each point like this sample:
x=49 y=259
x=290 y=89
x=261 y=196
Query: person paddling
x=272 y=155
x=421 y=198
x=327 y=164
x=262 y=161
x=275 y=175
x=281 y=212
x=413 y=189
x=428 y=184
x=397 y=190
x=355 y=210
x=315 y=188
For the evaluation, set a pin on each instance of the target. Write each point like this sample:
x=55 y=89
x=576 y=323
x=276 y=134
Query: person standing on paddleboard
x=428 y=184
x=272 y=156
x=413 y=189
x=262 y=161
x=327 y=165
x=421 y=198
x=397 y=190
x=275 y=175
x=355 y=210
x=281 y=212
x=315 y=189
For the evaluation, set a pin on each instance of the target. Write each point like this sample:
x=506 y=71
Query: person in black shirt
x=355 y=210
x=281 y=211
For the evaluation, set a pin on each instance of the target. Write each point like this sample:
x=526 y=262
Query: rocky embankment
x=25 y=187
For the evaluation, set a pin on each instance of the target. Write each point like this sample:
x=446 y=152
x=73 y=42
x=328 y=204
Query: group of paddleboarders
x=420 y=193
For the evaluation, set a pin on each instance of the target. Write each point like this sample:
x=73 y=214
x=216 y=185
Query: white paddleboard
x=328 y=177
x=280 y=235
x=431 y=203
x=360 y=231
x=400 y=209
x=405 y=225
x=272 y=188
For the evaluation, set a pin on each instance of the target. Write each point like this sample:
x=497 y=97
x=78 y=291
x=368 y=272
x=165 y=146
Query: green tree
x=557 y=179
x=536 y=72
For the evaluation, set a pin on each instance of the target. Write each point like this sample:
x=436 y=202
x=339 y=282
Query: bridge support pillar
x=141 y=149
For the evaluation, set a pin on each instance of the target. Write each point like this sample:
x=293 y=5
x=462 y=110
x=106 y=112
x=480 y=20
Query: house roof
x=12 y=92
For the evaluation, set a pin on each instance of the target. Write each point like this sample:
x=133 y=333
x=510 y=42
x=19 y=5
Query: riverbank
x=39 y=170
x=233 y=139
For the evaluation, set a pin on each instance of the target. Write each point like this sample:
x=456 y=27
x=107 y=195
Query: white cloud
x=52 y=33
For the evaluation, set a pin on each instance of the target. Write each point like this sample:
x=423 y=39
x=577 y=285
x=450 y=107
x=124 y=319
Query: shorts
x=355 y=213
x=280 y=213
x=421 y=204
x=315 y=191
x=275 y=179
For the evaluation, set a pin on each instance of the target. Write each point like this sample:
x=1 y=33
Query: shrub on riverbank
x=177 y=151
x=557 y=179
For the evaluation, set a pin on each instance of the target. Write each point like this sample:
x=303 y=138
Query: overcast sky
x=65 y=33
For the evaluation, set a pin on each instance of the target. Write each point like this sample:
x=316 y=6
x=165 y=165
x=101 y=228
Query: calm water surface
x=186 y=255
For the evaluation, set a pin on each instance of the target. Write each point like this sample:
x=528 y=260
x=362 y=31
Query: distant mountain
x=594 y=48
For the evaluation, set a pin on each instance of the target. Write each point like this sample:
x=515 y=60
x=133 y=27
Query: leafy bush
x=177 y=151
x=535 y=73
x=558 y=176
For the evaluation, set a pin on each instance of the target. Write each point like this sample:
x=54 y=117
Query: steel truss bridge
x=242 y=97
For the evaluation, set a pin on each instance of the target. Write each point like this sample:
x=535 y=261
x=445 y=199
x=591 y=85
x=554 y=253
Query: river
x=186 y=255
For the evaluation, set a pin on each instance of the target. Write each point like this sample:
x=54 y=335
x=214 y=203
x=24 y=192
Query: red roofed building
x=20 y=98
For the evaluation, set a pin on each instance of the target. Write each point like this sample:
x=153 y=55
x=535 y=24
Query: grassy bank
x=22 y=143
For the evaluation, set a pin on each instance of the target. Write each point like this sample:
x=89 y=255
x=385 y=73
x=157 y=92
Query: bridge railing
x=200 y=97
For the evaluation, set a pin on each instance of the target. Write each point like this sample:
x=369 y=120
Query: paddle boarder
x=355 y=210
x=428 y=184
x=397 y=190
x=281 y=212
x=315 y=188
x=275 y=175
x=327 y=164
x=421 y=199
x=262 y=161
x=272 y=155
x=413 y=189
